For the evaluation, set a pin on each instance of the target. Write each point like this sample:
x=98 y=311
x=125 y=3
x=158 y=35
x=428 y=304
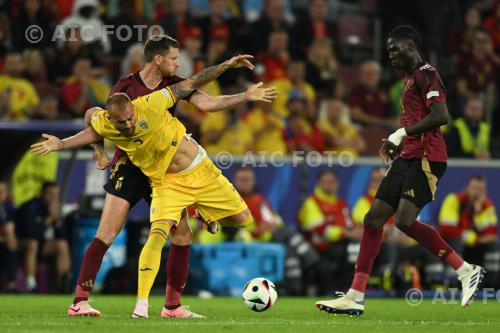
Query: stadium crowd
x=334 y=95
x=320 y=55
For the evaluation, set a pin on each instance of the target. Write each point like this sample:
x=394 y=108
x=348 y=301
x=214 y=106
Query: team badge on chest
x=143 y=125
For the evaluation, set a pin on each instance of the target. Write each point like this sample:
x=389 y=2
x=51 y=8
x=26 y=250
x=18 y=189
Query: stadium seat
x=354 y=32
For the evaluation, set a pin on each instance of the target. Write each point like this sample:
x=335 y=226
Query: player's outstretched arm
x=186 y=87
x=53 y=143
x=254 y=93
x=99 y=155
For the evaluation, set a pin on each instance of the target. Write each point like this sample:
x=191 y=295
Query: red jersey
x=422 y=88
x=134 y=87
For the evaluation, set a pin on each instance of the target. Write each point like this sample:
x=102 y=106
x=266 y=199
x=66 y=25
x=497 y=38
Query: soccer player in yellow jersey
x=180 y=172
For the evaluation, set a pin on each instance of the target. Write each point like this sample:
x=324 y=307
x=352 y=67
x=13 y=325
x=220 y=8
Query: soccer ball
x=259 y=294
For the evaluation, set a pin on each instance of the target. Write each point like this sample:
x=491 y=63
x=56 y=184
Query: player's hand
x=256 y=93
x=242 y=60
x=101 y=158
x=388 y=151
x=52 y=143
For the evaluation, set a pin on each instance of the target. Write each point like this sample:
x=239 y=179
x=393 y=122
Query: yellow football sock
x=149 y=260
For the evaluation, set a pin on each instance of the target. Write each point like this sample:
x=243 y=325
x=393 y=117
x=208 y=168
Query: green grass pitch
x=48 y=314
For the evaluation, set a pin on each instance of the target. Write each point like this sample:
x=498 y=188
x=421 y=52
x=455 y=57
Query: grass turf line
x=28 y=313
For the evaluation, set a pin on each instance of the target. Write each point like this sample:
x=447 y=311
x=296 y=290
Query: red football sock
x=177 y=274
x=370 y=247
x=429 y=237
x=91 y=263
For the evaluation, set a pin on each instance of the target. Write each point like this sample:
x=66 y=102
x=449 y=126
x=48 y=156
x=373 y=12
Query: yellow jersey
x=157 y=134
x=22 y=95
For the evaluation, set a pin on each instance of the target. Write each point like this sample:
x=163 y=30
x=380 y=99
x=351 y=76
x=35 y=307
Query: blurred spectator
x=274 y=60
x=216 y=24
x=35 y=70
x=32 y=14
x=61 y=65
x=325 y=221
x=5 y=38
x=178 y=20
x=29 y=175
x=470 y=135
x=48 y=108
x=269 y=227
x=8 y=240
x=302 y=133
x=314 y=25
x=82 y=91
x=468 y=221
x=267 y=129
x=295 y=80
x=460 y=38
x=134 y=60
x=217 y=52
x=476 y=72
x=85 y=13
x=190 y=55
x=123 y=38
x=18 y=97
x=340 y=135
x=337 y=90
x=492 y=23
x=322 y=63
x=144 y=10
x=217 y=49
x=266 y=219
x=395 y=92
x=40 y=229
x=272 y=19
x=62 y=8
x=227 y=131
x=369 y=101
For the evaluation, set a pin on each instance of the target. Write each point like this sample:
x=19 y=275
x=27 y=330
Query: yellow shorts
x=204 y=186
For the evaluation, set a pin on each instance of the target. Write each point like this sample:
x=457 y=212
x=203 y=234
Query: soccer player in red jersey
x=128 y=185
x=418 y=154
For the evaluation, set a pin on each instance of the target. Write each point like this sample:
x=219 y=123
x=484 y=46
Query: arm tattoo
x=181 y=92
x=208 y=74
x=185 y=88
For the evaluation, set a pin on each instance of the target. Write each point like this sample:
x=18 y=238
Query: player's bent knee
x=403 y=224
x=372 y=221
x=245 y=220
x=182 y=236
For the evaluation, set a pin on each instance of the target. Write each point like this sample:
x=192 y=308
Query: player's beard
x=128 y=132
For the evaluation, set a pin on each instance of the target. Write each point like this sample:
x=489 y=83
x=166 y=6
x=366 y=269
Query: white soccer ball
x=259 y=294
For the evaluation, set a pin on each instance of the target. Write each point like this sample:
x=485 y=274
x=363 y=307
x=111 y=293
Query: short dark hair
x=48 y=184
x=243 y=168
x=405 y=31
x=159 y=44
x=118 y=98
x=327 y=172
x=478 y=177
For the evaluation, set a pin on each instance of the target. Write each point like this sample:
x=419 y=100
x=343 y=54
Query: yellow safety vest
x=469 y=143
